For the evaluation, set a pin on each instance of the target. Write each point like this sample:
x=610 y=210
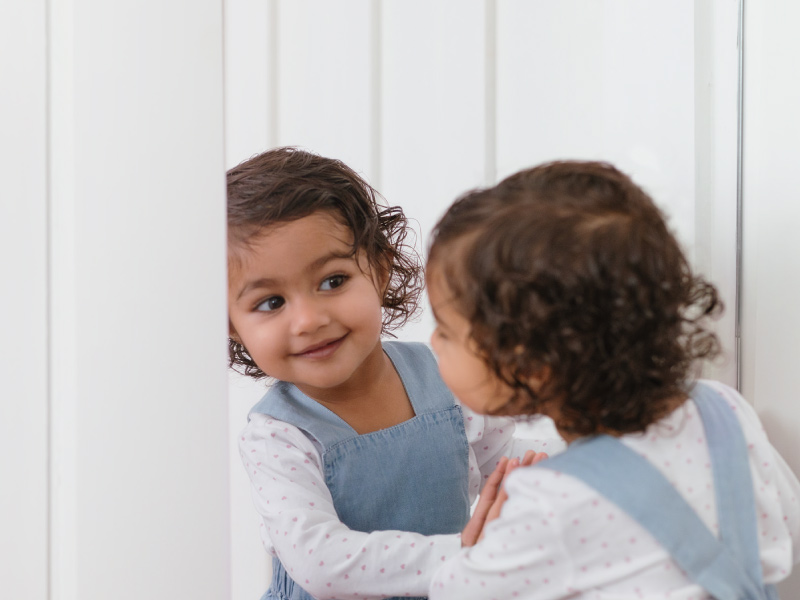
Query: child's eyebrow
x=314 y=265
x=256 y=284
x=325 y=259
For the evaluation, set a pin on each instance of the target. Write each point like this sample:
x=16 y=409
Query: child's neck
x=373 y=399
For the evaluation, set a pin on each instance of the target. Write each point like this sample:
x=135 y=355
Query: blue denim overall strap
x=728 y=568
x=410 y=477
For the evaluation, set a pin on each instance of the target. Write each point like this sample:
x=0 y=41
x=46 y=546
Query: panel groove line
x=273 y=135
x=739 y=198
x=490 y=94
x=48 y=185
x=376 y=129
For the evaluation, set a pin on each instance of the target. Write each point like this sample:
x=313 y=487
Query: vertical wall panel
x=139 y=304
x=771 y=376
x=716 y=119
x=64 y=297
x=325 y=53
x=250 y=111
x=611 y=81
x=433 y=111
x=24 y=368
x=249 y=72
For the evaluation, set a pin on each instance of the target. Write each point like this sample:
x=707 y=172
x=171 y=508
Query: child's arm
x=493 y=496
x=522 y=555
x=491 y=438
x=301 y=527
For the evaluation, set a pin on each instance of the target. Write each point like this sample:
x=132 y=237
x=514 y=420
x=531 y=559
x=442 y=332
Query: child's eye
x=332 y=282
x=271 y=303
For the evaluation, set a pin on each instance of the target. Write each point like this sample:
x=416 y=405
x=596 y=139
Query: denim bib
x=410 y=477
x=728 y=568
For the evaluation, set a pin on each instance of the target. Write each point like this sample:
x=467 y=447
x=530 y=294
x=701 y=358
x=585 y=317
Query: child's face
x=463 y=371
x=306 y=311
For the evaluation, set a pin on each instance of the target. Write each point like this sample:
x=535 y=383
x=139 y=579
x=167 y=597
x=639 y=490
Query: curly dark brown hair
x=569 y=269
x=286 y=184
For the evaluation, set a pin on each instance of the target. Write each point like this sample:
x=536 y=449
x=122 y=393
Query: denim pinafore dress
x=728 y=568
x=410 y=477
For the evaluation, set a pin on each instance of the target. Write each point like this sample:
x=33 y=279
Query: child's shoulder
x=744 y=410
x=732 y=397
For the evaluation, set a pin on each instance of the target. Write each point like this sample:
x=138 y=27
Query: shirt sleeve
x=494 y=437
x=521 y=555
x=300 y=525
x=789 y=494
x=777 y=491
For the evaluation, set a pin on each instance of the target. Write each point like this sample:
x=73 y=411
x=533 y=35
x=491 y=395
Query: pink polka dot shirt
x=300 y=526
x=558 y=538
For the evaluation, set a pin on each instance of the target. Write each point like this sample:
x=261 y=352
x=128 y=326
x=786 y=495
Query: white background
x=117 y=445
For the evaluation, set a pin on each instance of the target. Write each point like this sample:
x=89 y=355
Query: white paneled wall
x=433 y=111
x=771 y=324
x=325 y=77
x=137 y=302
x=429 y=99
x=24 y=498
x=113 y=420
x=616 y=85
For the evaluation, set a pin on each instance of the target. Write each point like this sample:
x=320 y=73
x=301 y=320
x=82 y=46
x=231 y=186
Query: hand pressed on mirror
x=493 y=496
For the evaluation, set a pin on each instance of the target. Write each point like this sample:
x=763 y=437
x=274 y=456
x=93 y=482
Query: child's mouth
x=323 y=349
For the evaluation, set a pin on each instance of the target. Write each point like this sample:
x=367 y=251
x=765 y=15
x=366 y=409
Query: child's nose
x=308 y=315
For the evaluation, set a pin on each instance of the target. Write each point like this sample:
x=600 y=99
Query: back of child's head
x=286 y=184
x=568 y=274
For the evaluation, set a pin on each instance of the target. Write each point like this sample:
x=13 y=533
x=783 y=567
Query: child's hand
x=494 y=496
x=530 y=458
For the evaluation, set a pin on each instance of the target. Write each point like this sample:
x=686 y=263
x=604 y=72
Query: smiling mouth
x=323 y=350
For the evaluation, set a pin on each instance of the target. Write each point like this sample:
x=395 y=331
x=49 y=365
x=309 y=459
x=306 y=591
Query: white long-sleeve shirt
x=558 y=538
x=329 y=560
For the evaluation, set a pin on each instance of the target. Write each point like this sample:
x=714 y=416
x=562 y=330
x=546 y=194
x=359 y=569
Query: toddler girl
x=564 y=287
x=363 y=466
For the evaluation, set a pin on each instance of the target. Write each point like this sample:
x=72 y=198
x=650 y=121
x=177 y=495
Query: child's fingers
x=531 y=458
x=501 y=496
x=537 y=457
x=493 y=496
x=494 y=481
x=527 y=460
x=491 y=489
x=487 y=498
x=497 y=506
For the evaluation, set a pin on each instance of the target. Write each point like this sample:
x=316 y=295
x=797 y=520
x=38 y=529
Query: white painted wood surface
x=24 y=500
x=433 y=113
x=250 y=109
x=617 y=84
x=138 y=317
x=324 y=79
x=771 y=377
x=113 y=383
